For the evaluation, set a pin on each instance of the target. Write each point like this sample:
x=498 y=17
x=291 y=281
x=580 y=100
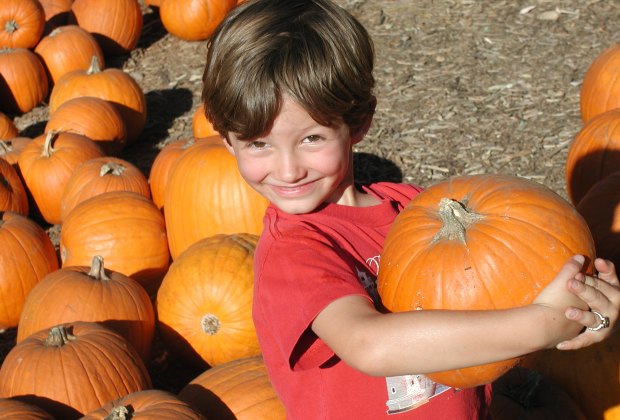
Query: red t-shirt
x=304 y=262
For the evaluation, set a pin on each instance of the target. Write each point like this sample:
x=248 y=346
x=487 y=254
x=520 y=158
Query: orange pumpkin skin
x=13 y=195
x=226 y=204
x=240 y=387
x=25 y=81
x=46 y=164
x=204 y=304
x=116 y=24
x=56 y=13
x=11 y=149
x=66 y=49
x=14 y=409
x=201 y=126
x=91 y=294
x=27 y=251
x=99 y=175
x=125 y=228
x=21 y=23
x=111 y=84
x=8 y=129
x=431 y=261
x=593 y=154
x=72 y=369
x=147 y=404
x=600 y=90
x=193 y=20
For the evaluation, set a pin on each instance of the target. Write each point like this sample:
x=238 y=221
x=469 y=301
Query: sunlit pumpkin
x=193 y=20
x=21 y=23
x=600 y=89
x=25 y=82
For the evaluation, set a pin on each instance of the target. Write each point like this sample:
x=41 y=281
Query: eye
x=312 y=139
x=256 y=145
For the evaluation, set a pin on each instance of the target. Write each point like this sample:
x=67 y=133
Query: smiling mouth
x=292 y=190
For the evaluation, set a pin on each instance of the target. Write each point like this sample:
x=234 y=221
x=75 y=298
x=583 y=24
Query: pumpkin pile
x=121 y=272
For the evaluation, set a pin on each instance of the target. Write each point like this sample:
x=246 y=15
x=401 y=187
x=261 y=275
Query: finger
x=587 y=291
x=606 y=270
x=581 y=341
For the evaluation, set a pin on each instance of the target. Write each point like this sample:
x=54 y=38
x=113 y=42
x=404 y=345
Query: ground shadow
x=369 y=168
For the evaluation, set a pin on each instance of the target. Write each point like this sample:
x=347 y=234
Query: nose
x=289 y=167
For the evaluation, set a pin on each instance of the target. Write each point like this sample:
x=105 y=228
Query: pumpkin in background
x=205 y=196
x=46 y=164
x=66 y=49
x=26 y=256
x=111 y=84
x=238 y=389
x=600 y=89
x=99 y=175
x=478 y=242
x=125 y=228
x=8 y=129
x=91 y=294
x=13 y=195
x=193 y=20
x=147 y=404
x=95 y=118
x=201 y=126
x=72 y=369
x=56 y=13
x=11 y=149
x=204 y=304
x=600 y=208
x=21 y=23
x=593 y=154
x=25 y=81
x=14 y=409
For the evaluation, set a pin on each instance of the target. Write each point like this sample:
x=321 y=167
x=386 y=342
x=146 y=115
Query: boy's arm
x=429 y=341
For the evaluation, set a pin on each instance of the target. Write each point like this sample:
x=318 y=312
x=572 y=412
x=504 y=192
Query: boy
x=288 y=84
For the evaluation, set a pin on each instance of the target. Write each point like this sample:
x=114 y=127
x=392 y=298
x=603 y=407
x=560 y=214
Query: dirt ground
x=463 y=87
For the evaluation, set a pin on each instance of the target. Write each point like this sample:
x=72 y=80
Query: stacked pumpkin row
x=91 y=314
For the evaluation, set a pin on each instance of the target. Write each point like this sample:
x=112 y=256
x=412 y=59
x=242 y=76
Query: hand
x=602 y=294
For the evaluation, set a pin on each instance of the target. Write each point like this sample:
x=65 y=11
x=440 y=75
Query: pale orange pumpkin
x=93 y=117
x=237 y=389
x=111 y=84
x=125 y=228
x=204 y=304
x=8 y=129
x=193 y=20
x=14 y=409
x=56 y=13
x=600 y=89
x=21 y=23
x=72 y=369
x=476 y=243
x=66 y=49
x=93 y=294
x=117 y=24
x=46 y=164
x=201 y=126
x=25 y=81
x=26 y=255
x=13 y=195
x=224 y=204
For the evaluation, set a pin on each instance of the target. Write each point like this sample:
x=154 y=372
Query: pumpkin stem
x=112 y=168
x=58 y=336
x=95 y=67
x=456 y=220
x=96 y=269
x=119 y=413
x=5 y=147
x=210 y=324
x=47 y=144
x=11 y=26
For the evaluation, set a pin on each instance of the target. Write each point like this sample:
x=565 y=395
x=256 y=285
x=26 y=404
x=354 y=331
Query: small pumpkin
x=201 y=126
x=8 y=129
x=600 y=89
x=13 y=195
x=460 y=245
x=14 y=409
x=193 y=20
x=21 y=23
x=25 y=81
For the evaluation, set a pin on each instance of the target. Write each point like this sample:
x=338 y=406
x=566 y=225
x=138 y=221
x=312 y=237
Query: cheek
x=251 y=170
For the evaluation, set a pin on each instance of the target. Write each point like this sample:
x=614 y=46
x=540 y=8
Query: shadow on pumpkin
x=180 y=348
x=57 y=409
x=206 y=402
x=8 y=105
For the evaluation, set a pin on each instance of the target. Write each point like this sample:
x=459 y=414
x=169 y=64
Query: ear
x=228 y=145
x=359 y=134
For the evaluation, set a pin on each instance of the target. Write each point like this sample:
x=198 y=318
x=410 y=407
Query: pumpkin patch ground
x=464 y=87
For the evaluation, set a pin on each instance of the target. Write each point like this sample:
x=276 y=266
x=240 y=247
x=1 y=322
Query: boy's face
x=299 y=164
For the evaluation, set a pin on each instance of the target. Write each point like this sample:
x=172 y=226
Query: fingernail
x=579 y=258
x=561 y=345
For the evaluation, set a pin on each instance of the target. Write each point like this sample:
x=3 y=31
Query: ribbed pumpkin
x=72 y=369
x=593 y=154
x=478 y=242
x=204 y=304
x=111 y=84
x=11 y=149
x=13 y=195
x=600 y=89
x=26 y=256
x=21 y=23
x=99 y=175
x=125 y=228
x=91 y=294
x=14 y=409
x=152 y=404
x=201 y=126
x=8 y=129
x=66 y=49
x=93 y=117
x=116 y=24
x=193 y=20
x=56 y=13
x=25 y=81
x=238 y=389
x=46 y=164
x=205 y=196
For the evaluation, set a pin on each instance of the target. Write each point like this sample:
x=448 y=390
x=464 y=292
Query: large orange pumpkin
x=91 y=294
x=72 y=369
x=238 y=389
x=26 y=256
x=14 y=409
x=13 y=195
x=193 y=20
x=21 y=23
x=478 y=242
x=25 y=81
x=600 y=90
x=204 y=304
x=205 y=196
x=56 y=13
